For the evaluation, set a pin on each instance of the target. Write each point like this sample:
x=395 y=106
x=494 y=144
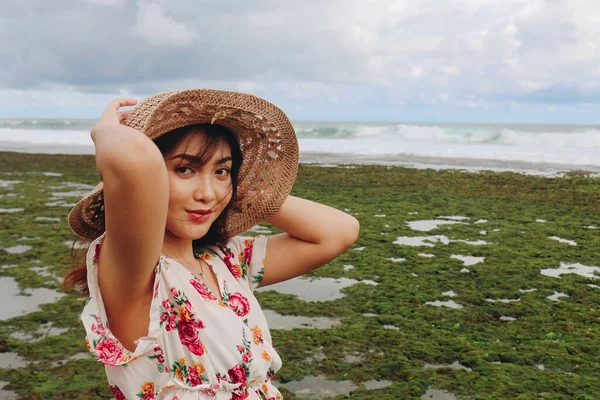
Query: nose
x=204 y=191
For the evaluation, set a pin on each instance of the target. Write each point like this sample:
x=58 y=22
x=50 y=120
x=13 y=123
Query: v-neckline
x=198 y=255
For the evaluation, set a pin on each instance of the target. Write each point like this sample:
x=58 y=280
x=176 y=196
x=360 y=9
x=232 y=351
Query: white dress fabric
x=197 y=347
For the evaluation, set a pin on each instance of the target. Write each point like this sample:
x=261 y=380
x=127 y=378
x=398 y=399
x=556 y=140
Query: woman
x=183 y=174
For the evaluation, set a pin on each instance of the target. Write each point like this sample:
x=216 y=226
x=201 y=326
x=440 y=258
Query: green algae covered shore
x=481 y=285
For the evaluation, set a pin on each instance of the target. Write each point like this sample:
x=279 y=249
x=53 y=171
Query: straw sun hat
x=265 y=135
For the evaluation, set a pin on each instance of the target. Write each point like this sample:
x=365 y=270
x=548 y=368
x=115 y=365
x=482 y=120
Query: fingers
x=111 y=112
x=123 y=115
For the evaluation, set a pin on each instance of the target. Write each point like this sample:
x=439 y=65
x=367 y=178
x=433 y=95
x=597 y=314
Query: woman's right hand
x=111 y=118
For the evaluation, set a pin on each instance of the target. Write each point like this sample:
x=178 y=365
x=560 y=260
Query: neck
x=177 y=248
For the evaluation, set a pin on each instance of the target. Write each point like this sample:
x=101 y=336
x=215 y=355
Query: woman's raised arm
x=136 y=196
x=314 y=235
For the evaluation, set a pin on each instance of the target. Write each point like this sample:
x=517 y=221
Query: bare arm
x=136 y=195
x=314 y=235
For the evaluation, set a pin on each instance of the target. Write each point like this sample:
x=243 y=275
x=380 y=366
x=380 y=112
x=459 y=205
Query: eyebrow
x=191 y=158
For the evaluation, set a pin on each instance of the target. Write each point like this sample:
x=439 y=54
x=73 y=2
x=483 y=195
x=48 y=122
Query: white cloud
x=106 y=3
x=159 y=29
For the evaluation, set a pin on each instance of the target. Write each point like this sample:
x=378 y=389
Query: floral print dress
x=199 y=345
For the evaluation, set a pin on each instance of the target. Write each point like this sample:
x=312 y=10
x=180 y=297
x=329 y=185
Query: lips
x=201 y=212
x=199 y=215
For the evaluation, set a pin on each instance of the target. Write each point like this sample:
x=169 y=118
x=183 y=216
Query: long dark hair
x=215 y=135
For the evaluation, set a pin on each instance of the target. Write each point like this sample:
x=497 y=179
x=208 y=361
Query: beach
x=473 y=281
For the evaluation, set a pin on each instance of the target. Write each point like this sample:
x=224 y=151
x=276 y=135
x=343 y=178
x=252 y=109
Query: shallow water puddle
x=7 y=394
x=449 y=293
x=468 y=260
x=455 y=366
x=23 y=304
x=556 y=296
x=453 y=217
x=78 y=356
x=527 y=290
x=578 y=269
x=18 y=249
x=430 y=241
x=567 y=241
x=426 y=255
x=430 y=224
x=507 y=319
x=540 y=220
x=47 y=219
x=447 y=303
x=260 y=229
x=76 y=245
x=287 y=322
x=435 y=394
x=395 y=260
x=350 y=358
x=481 y=221
x=29 y=238
x=8 y=184
x=502 y=300
x=359 y=248
x=317 y=387
x=11 y=210
x=52 y=174
x=12 y=360
x=75 y=193
x=315 y=289
x=44 y=331
x=60 y=203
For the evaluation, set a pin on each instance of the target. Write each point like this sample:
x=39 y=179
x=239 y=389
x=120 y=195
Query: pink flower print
x=245 y=358
x=174 y=292
x=188 y=335
x=241 y=348
x=193 y=377
x=117 y=393
x=202 y=289
x=156 y=289
x=237 y=374
x=248 y=251
x=97 y=252
x=239 y=304
x=99 y=329
x=109 y=351
x=241 y=396
x=172 y=324
x=166 y=305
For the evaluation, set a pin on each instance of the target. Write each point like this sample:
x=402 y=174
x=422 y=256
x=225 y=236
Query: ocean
x=527 y=148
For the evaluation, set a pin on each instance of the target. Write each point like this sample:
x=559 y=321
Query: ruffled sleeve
x=244 y=257
x=100 y=340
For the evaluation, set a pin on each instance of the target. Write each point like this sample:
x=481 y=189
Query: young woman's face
x=198 y=194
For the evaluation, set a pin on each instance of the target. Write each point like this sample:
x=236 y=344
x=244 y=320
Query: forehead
x=196 y=142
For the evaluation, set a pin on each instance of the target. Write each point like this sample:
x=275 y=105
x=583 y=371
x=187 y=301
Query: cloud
x=159 y=29
x=107 y=3
x=465 y=53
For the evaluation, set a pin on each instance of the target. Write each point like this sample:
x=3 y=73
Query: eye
x=223 y=172
x=182 y=170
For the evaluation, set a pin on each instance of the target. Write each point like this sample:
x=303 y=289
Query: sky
x=498 y=61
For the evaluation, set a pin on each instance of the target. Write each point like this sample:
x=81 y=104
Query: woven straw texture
x=267 y=141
